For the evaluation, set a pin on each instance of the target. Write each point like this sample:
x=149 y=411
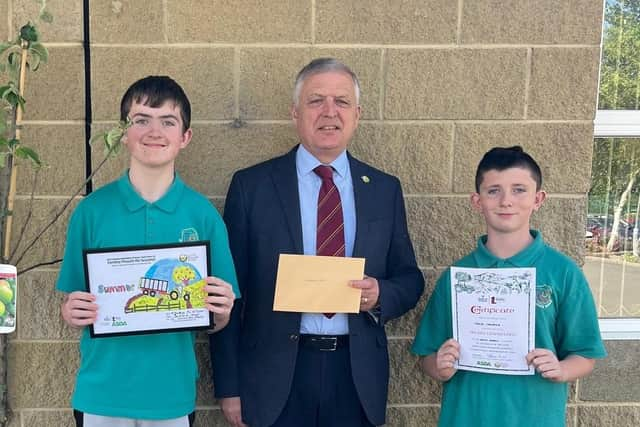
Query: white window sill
x=620 y=329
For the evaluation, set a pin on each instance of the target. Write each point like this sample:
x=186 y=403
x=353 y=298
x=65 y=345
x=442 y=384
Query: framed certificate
x=148 y=289
x=493 y=312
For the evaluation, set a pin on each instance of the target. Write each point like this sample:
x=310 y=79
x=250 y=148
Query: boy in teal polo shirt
x=143 y=380
x=567 y=337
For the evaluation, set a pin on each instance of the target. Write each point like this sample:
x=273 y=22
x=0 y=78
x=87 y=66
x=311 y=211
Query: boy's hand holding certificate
x=493 y=312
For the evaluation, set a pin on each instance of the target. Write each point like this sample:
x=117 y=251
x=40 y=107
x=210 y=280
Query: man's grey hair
x=323 y=65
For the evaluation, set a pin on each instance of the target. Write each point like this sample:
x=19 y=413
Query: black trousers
x=323 y=393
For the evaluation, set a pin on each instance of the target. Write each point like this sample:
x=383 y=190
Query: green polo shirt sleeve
x=220 y=255
x=578 y=332
x=71 y=277
x=435 y=326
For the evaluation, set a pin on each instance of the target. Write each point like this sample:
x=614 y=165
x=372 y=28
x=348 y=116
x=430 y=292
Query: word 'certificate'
x=493 y=312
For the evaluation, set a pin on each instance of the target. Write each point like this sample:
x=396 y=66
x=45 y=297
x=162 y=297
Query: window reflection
x=620 y=66
x=612 y=264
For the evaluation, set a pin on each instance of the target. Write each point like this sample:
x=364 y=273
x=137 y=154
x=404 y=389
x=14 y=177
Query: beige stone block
x=37 y=291
x=532 y=22
x=380 y=21
x=205 y=74
x=205 y=383
x=210 y=417
x=65 y=27
x=418 y=154
x=4 y=24
x=49 y=245
x=608 y=416
x=564 y=83
x=611 y=380
x=217 y=151
x=406 y=325
x=250 y=21
x=56 y=90
x=49 y=418
x=455 y=84
x=443 y=229
x=561 y=221
x=563 y=151
x=127 y=21
x=42 y=375
x=418 y=416
x=267 y=78
x=61 y=149
x=407 y=383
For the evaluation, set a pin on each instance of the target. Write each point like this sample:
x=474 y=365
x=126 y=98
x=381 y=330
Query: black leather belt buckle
x=327 y=343
x=324 y=342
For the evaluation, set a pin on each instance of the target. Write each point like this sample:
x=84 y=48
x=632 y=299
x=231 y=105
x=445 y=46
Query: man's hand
x=370 y=292
x=79 y=309
x=232 y=410
x=219 y=300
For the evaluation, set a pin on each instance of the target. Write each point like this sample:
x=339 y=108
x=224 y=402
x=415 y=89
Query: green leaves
x=11 y=94
x=112 y=138
x=14 y=148
x=27 y=153
x=37 y=54
x=44 y=14
x=29 y=33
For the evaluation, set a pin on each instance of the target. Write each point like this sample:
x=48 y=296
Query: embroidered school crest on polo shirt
x=543 y=296
x=189 y=235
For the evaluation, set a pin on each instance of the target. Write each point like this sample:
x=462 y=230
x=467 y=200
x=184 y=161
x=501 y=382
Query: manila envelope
x=317 y=284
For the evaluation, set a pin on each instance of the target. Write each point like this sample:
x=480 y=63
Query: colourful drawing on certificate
x=148 y=288
x=169 y=284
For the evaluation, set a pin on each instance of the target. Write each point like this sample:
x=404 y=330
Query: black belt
x=324 y=342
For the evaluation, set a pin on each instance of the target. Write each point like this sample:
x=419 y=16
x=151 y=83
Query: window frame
x=615 y=124
x=618 y=124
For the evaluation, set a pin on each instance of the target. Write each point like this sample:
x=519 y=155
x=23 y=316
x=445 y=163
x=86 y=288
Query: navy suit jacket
x=254 y=357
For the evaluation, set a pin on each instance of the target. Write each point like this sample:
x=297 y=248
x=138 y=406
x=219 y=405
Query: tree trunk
x=636 y=225
x=618 y=211
x=5 y=178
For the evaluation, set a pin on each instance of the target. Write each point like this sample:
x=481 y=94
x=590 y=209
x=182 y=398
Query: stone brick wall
x=442 y=81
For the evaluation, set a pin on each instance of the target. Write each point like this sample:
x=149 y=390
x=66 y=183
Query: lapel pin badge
x=365 y=179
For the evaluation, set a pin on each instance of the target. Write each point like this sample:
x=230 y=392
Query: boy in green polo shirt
x=567 y=337
x=143 y=380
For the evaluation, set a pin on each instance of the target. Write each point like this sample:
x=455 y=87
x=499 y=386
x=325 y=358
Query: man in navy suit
x=288 y=369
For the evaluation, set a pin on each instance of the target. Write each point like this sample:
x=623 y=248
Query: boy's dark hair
x=154 y=91
x=501 y=158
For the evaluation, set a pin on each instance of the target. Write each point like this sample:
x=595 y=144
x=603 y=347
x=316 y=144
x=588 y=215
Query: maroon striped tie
x=330 y=230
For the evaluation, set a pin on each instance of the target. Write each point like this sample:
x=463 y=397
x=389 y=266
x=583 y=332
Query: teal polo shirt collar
x=525 y=258
x=133 y=201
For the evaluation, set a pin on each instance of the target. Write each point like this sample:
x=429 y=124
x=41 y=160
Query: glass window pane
x=620 y=66
x=612 y=264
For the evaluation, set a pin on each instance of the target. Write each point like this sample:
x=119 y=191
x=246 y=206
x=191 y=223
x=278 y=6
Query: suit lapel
x=365 y=201
x=285 y=180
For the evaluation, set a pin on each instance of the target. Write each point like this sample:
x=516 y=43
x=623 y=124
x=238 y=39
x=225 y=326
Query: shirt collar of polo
x=133 y=201
x=306 y=163
x=525 y=258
